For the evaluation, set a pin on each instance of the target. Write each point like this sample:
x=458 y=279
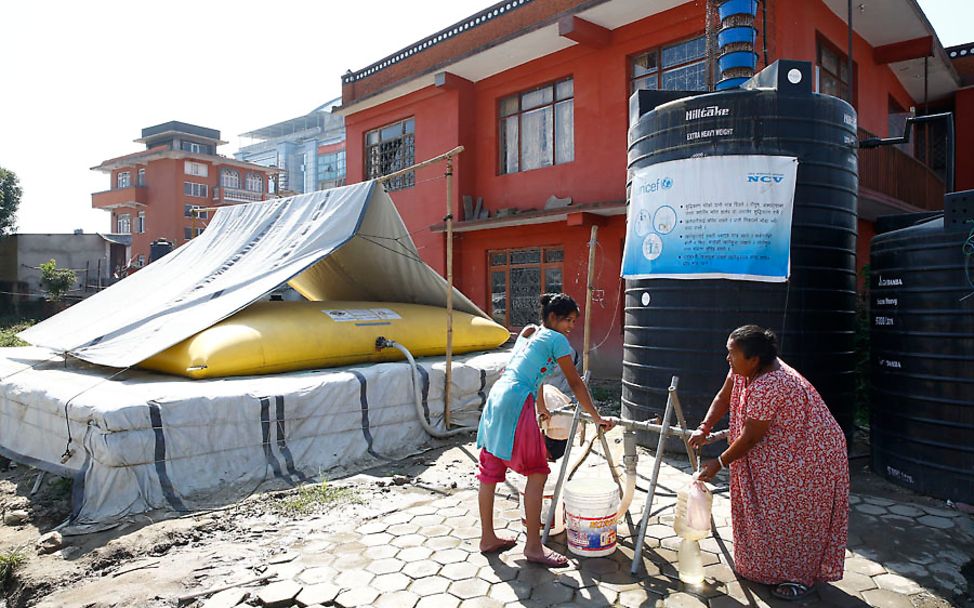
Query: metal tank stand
x=664 y=428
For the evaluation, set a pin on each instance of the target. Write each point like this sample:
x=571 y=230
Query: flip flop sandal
x=548 y=561
x=791 y=591
x=504 y=545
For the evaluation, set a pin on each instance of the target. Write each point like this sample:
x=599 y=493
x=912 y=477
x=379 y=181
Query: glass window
x=516 y=280
x=197 y=169
x=123 y=179
x=140 y=261
x=677 y=67
x=229 y=178
x=140 y=222
x=123 y=224
x=331 y=169
x=188 y=211
x=536 y=128
x=194 y=189
x=187 y=233
x=141 y=179
x=390 y=149
x=833 y=71
x=255 y=183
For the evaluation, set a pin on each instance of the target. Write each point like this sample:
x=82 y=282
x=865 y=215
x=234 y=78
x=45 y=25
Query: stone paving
x=426 y=556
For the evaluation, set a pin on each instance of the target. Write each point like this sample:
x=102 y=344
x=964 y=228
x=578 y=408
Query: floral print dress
x=790 y=492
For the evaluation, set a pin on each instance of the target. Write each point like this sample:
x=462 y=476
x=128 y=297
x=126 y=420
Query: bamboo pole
x=449 y=292
x=587 y=338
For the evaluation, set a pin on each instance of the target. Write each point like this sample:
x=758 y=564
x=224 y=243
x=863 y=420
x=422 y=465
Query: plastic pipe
x=382 y=343
x=629 y=459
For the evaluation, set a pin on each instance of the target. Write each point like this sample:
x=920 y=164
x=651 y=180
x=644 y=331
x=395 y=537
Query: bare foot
x=496 y=544
x=546 y=557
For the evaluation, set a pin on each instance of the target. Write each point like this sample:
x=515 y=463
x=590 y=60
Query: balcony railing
x=236 y=195
x=890 y=171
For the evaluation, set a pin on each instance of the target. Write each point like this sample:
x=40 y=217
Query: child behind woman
x=509 y=436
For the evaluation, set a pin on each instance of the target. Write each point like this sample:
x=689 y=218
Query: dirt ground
x=251 y=538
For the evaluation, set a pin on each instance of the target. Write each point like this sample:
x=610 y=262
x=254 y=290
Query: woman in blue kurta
x=509 y=436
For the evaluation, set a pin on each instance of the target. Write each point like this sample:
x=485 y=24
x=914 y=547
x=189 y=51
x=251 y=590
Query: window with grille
x=123 y=224
x=123 y=179
x=833 y=71
x=536 y=128
x=255 y=183
x=390 y=149
x=230 y=178
x=517 y=278
x=677 y=67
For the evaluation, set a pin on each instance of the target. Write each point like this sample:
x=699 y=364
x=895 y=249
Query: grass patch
x=9 y=330
x=10 y=560
x=312 y=498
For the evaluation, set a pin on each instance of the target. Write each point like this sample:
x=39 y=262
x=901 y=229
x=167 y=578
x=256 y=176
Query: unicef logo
x=666 y=183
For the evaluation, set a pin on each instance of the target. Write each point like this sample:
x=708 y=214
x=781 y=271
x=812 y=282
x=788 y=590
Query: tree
x=9 y=200
x=56 y=281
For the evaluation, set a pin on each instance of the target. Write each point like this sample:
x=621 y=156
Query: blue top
x=532 y=359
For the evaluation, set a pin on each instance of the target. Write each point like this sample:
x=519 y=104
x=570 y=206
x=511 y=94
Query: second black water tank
x=679 y=327
x=922 y=353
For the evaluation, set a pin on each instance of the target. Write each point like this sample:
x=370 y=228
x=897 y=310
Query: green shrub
x=56 y=281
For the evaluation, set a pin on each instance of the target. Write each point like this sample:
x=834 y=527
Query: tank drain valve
x=382 y=343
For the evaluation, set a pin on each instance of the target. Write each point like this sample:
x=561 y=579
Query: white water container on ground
x=520 y=482
x=590 y=512
x=692 y=523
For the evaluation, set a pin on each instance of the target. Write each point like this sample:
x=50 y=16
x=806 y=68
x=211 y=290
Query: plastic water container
x=520 y=482
x=558 y=427
x=590 y=512
x=692 y=523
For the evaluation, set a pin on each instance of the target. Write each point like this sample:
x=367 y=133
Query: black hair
x=561 y=304
x=755 y=341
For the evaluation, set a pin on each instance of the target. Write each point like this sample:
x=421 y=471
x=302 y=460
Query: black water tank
x=922 y=359
x=159 y=248
x=683 y=328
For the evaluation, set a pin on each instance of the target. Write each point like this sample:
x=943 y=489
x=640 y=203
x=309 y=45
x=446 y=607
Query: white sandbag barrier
x=140 y=441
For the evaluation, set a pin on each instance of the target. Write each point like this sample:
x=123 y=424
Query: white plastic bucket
x=590 y=512
x=520 y=482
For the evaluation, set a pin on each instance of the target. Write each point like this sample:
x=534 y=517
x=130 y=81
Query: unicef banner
x=718 y=217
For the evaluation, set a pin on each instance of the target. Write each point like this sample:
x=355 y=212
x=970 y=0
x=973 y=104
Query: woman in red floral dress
x=789 y=472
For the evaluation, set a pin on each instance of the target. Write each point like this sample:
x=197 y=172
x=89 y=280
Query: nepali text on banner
x=717 y=217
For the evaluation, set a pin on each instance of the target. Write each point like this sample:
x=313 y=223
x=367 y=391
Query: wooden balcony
x=889 y=173
x=133 y=196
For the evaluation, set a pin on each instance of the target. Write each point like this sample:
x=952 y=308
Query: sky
x=81 y=79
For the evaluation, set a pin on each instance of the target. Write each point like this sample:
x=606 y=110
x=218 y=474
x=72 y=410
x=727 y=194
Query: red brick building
x=537 y=93
x=154 y=193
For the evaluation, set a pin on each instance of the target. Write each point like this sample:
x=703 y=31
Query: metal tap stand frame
x=664 y=428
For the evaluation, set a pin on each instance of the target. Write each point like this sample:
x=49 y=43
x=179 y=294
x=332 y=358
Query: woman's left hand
x=709 y=470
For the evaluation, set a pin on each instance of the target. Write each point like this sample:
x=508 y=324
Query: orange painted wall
x=964 y=115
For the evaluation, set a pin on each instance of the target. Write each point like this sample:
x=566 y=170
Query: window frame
x=254 y=182
x=660 y=69
x=123 y=220
x=196 y=190
x=119 y=179
x=227 y=172
x=196 y=168
x=507 y=266
x=519 y=112
x=140 y=178
x=140 y=222
x=823 y=43
x=408 y=146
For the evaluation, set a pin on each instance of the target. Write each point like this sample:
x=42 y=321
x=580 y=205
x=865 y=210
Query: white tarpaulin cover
x=342 y=244
x=141 y=441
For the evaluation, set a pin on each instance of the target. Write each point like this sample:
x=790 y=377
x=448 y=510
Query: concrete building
x=537 y=93
x=309 y=150
x=154 y=193
x=92 y=257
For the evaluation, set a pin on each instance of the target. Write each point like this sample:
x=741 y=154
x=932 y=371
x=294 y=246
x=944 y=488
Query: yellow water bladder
x=273 y=337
